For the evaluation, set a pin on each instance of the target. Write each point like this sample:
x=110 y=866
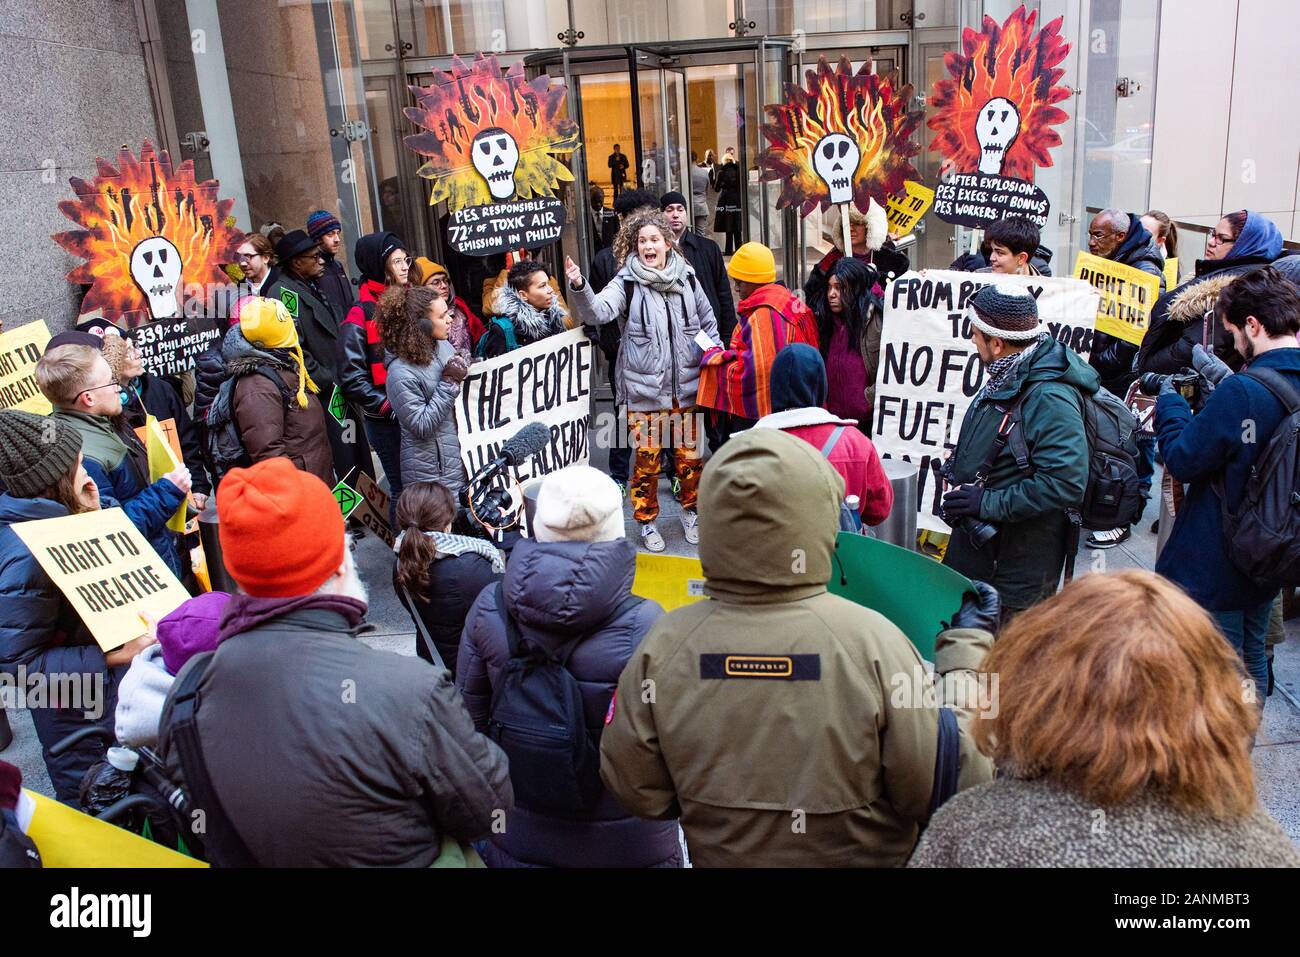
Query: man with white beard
x=321 y=751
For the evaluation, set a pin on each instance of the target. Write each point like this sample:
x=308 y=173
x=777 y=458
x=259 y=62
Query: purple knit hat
x=191 y=628
x=321 y=222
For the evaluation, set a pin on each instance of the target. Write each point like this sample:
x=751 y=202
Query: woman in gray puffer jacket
x=661 y=310
x=572 y=580
x=424 y=377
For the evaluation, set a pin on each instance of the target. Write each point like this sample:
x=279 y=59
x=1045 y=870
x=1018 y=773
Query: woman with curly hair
x=1121 y=726
x=848 y=325
x=662 y=311
x=424 y=377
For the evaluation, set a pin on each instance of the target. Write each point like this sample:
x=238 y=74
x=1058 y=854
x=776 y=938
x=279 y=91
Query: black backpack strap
x=225 y=847
x=1008 y=431
x=947 y=759
x=1280 y=385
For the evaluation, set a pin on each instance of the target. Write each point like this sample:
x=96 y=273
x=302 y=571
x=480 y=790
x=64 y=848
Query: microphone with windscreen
x=490 y=506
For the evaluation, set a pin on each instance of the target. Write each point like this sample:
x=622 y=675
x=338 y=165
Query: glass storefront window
x=376 y=38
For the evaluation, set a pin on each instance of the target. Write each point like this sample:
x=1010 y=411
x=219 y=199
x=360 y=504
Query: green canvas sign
x=290 y=300
x=913 y=591
x=338 y=406
x=347 y=497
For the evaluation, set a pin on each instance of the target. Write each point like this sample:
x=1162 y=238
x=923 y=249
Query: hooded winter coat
x=118 y=464
x=742 y=758
x=263 y=401
x=41 y=632
x=556 y=591
x=737 y=379
x=359 y=350
x=530 y=324
x=317 y=322
x=423 y=402
x=1024 y=561
x=1112 y=357
x=310 y=779
x=658 y=358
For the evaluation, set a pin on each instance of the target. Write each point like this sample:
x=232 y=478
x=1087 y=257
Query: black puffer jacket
x=454 y=582
x=556 y=591
x=1111 y=357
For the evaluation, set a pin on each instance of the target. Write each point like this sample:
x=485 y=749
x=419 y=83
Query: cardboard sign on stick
x=1127 y=296
x=106 y=569
x=906 y=210
x=20 y=350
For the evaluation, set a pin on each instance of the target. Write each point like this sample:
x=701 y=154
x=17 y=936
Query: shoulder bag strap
x=225 y=847
x=832 y=440
x=429 y=646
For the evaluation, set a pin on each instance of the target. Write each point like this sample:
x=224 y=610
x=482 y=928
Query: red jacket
x=854 y=457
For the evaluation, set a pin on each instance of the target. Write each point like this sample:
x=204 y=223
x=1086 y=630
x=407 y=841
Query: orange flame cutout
x=1009 y=61
x=144 y=198
x=473 y=98
x=870 y=109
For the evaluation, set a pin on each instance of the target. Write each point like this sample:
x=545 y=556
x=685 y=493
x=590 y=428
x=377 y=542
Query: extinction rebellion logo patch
x=781 y=667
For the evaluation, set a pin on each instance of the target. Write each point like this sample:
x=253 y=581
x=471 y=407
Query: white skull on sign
x=156 y=269
x=495 y=155
x=835 y=158
x=996 y=129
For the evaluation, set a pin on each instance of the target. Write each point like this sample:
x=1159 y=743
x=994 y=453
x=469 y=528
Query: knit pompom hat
x=1004 y=311
x=35 y=451
x=578 y=504
x=267 y=323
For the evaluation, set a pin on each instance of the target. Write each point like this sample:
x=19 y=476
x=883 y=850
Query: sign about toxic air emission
x=106 y=569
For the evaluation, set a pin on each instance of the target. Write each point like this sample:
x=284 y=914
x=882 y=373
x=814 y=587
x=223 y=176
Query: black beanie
x=667 y=199
x=798 y=378
x=35 y=451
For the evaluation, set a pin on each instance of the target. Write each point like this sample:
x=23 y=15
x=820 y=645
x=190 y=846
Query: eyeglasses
x=246 y=257
x=1221 y=240
x=96 y=388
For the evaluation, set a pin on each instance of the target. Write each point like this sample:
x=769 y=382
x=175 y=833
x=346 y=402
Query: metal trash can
x=211 y=541
x=899 y=528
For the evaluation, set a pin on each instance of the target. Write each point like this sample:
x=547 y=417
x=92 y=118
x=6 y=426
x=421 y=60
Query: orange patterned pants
x=650 y=433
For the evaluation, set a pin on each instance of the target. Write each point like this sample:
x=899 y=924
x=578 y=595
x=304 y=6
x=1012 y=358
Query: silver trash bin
x=899 y=528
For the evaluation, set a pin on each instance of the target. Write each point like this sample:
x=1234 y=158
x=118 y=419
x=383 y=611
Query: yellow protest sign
x=1171 y=272
x=68 y=838
x=905 y=211
x=163 y=444
x=106 y=569
x=20 y=350
x=671 y=580
x=1127 y=295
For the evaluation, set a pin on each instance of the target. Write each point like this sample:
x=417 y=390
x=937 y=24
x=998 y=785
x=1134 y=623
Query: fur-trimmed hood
x=1193 y=302
x=530 y=322
x=875 y=218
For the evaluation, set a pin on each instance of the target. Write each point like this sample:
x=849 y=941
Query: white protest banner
x=929 y=370
x=547 y=382
x=106 y=569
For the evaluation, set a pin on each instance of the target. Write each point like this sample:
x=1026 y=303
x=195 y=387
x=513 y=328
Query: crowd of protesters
x=550 y=717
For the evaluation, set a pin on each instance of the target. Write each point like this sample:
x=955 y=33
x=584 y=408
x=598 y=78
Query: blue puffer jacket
x=556 y=591
x=148 y=506
x=40 y=631
x=1199 y=449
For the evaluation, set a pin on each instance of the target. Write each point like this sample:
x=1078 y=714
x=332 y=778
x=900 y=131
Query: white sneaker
x=650 y=537
x=691 y=525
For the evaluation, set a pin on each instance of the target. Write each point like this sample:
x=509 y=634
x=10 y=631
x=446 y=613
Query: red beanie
x=281 y=531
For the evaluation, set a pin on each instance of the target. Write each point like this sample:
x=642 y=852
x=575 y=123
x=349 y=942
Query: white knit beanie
x=578 y=504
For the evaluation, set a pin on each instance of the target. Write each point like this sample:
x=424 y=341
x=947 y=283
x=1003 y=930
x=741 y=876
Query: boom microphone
x=529 y=440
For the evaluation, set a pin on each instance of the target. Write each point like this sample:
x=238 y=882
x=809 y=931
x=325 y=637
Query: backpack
x=849 y=519
x=507 y=330
x=1262 y=536
x=225 y=444
x=1112 y=497
x=537 y=719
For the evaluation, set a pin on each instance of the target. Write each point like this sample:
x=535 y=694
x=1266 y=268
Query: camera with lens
x=1186 y=382
x=977 y=530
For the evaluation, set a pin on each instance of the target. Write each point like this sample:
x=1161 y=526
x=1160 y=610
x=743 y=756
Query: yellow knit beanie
x=753 y=262
x=267 y=323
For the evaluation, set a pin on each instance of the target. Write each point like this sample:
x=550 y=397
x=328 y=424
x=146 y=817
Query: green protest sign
x=347 y=497
x=290 y=300
x=338 y=406
x=912 y=590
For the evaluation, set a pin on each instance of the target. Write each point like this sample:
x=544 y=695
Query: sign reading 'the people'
x=547 y=382
x=929 y=370
x=106 y=569
x=495 y=228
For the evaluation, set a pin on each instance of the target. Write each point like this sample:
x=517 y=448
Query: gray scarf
x=672 y=278
x=450 y=545
x=1001 y=370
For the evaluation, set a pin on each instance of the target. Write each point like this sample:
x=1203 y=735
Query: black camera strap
x=1008 y=433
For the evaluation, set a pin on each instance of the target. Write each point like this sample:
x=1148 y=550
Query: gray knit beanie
x=1005 y=311
x=35 y=451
